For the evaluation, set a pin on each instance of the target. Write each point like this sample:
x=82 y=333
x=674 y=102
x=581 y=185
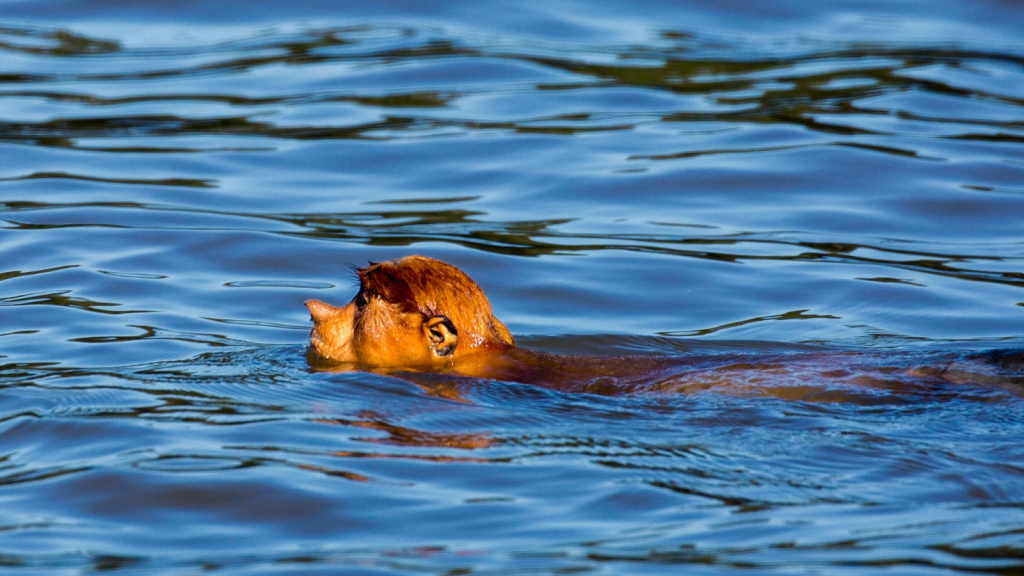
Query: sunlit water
x=667 y=179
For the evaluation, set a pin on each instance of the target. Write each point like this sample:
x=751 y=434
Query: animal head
x=414 y=312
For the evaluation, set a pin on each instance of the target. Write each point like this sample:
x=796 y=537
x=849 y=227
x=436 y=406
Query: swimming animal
x=418 y=315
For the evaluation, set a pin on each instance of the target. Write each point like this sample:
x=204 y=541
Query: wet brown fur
x=434 y=288
x=414 y=313
x=417 y=315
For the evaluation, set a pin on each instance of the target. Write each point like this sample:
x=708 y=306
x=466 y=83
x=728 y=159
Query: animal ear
x=442 y=335
x=320 y=311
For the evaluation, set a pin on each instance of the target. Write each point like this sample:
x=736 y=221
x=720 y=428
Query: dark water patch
x=163 y=182
x=134 y=275
x=279 y=284
x=18 y=273
x=58 y=43
x=793 y=315
x=428 y=200
x=62 y=299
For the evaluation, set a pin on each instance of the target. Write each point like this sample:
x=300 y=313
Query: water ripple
x=742 y=189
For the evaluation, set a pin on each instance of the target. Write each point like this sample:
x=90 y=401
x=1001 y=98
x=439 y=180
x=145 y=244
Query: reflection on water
x=746 y=190
x=835 y=92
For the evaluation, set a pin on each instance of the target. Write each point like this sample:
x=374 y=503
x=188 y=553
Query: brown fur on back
x=434 y=288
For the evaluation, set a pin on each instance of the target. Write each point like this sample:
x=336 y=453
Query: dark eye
x=360 y=299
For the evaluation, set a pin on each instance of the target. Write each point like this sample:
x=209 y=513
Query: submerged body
x=419 y=316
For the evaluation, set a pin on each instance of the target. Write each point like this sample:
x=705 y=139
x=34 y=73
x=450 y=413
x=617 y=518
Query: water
x=668 y=179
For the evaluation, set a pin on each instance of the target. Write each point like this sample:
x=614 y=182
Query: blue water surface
x=661 y=178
